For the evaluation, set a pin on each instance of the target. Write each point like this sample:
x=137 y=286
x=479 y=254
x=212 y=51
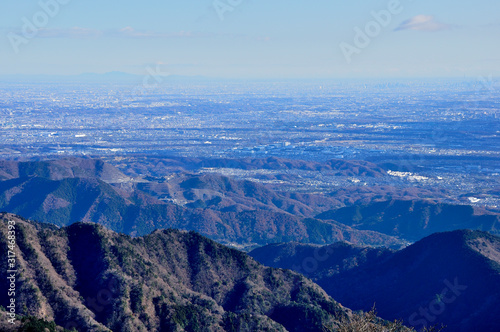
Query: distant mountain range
x=413 y=220
x=70 y=200
x=278 y=173
x=239 y=212
x=450 y=278
x=93 y=279
x=61 y=169
x=110 y=77
x=157 y=166
x=242 y=212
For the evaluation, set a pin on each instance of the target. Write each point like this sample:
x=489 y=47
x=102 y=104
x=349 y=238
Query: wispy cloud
x=495 y=24
x=129 y=32
x=422 y=23
x=75 y=32
x=132 y=33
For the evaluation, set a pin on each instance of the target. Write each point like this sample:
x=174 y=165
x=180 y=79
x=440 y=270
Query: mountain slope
x=223 y=193
x=447 y=278
x=161 y=166
x=317 y=261
x=61 y=169
x=88 y=277
x=413 y=220
x=63 y=202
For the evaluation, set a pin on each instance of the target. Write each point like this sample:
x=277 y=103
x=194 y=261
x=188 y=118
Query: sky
x=272 y=39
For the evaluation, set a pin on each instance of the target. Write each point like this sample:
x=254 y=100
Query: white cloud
x=422 y=23
x=127 y=32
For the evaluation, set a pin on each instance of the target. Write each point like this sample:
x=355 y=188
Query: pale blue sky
x=257 y=39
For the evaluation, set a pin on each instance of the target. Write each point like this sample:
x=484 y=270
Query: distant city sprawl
x=434 y=134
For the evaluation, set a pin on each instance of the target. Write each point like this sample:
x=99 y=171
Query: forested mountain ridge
x=91 y=278
x=450 y=278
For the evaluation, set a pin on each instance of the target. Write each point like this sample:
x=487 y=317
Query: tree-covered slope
x=88 y=277
x=413 y=219
x=450 y=278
